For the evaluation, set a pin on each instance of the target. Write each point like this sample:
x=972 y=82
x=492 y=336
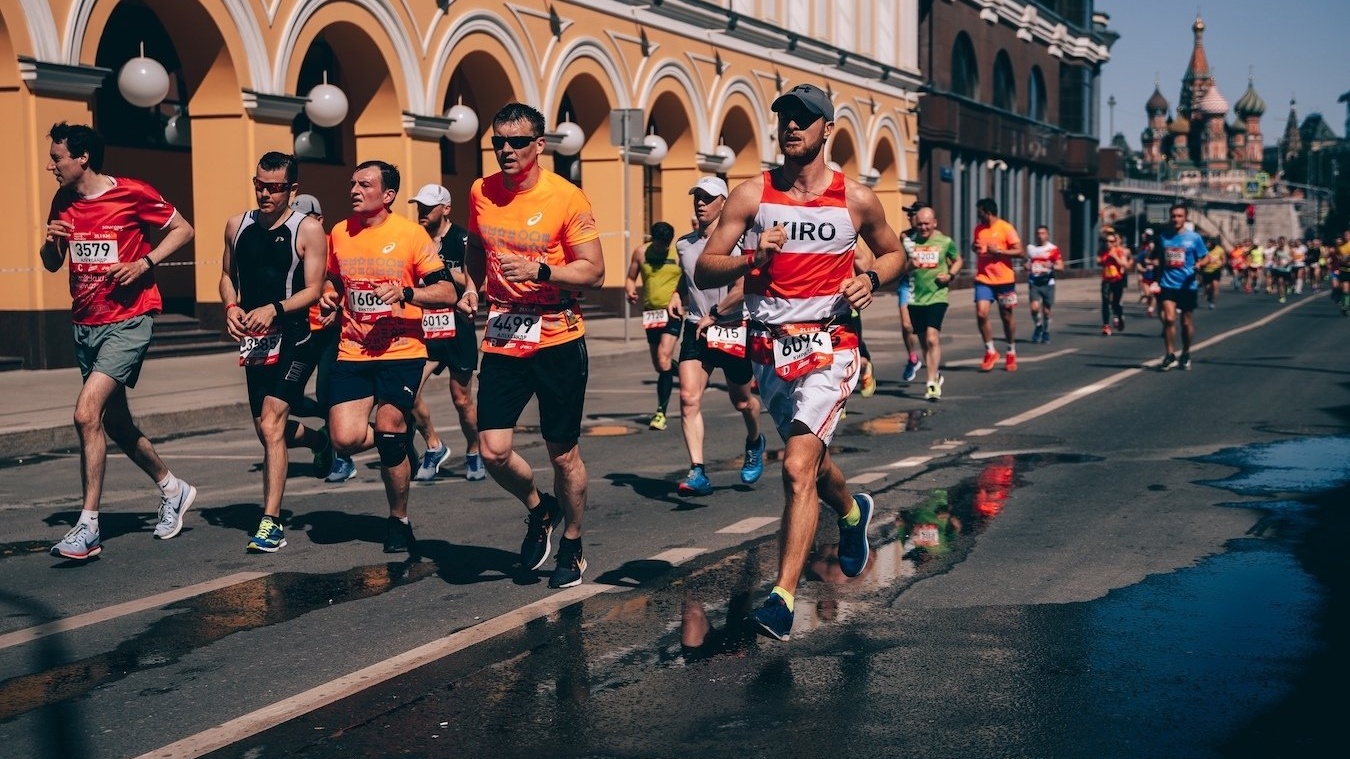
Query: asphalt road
x=1137 y=564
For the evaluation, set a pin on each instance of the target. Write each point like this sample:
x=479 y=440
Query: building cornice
x=61 y=80
x=1033 y=25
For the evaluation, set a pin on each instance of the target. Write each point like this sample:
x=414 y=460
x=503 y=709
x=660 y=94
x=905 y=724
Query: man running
x=451 y=343
x=804 y=272
x=272 y=271
x=714 y=337
x=1116 y=263
x=659 y=269
x=100 y=222
x=936 y=262
x=996 y=245
x=533 y=244
x=905 y=293
x=1043 y=261
x=1175 y=257
x=375 y=258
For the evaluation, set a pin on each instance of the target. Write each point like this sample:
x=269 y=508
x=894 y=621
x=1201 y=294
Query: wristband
x=545 y=273
x=713 y=312
x=229 y=306
x=280 y=311
x=874 y=279
x=407 y=295
x=149 y=261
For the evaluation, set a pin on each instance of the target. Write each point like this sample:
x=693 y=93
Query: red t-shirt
x=109 y=228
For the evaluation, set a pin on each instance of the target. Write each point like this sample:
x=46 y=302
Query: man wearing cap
x=798 y=226
x=272 y=272
x=451 y=343
x=905 y=291
x=714 y=337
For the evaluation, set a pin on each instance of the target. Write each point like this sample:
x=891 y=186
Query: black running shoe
x=1168 y=362
x=570 y=567
x=535 y=548
x=398 y=536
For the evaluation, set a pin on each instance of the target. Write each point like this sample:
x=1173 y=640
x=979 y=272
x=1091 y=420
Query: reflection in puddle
x=894 y=424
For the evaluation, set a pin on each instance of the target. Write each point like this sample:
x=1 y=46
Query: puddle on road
x=1300 y=465
x=894 y=424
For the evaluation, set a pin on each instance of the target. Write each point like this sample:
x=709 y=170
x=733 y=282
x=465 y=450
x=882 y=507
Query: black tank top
x=267 y=266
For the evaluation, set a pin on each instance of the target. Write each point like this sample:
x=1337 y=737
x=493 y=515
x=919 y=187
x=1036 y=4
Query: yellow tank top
x=659 y=283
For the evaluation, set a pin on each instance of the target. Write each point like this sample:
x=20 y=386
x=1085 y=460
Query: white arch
x=41 y=29
x=404 y=47
x=584 y=47
x=847 y=115
x=481 y=22
x=744 y=86
x=887 y=124
x=255 y=49
x=671 y=69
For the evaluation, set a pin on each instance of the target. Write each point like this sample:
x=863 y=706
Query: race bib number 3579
x=93 y=248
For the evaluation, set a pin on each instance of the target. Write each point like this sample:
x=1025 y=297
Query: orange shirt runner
x=543 y=223
x=989 y=268
x=399 y=250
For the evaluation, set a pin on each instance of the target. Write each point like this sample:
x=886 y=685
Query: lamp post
x=1111 y=111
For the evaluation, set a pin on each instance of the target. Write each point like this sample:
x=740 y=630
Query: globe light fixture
x=659 y=148
x=728 y=157
x=463 y=123
x=143 y=81
x=569 y=138
x=310 y=145
x=327 y=105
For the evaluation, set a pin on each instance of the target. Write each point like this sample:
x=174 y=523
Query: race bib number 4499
x=516 y=331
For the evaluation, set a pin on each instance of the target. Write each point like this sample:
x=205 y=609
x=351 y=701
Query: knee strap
x=393 y=448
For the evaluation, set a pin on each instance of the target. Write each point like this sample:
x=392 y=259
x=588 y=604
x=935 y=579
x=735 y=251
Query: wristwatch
x=544 y=272
x=407 y=295
x=874 y=279
x=713 y=311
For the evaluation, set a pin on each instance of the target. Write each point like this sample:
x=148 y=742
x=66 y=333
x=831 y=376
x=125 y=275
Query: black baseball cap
x=811 y=97
x=915 y=207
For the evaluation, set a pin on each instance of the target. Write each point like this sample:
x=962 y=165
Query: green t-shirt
x=931 y=258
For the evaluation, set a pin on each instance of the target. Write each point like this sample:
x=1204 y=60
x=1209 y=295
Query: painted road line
x=867 y=478
x=982 y=432
x=1096 y=387
x=677 y=556
x=912 y=461
x=748 y=525
x=29 y=634
x=947 y=445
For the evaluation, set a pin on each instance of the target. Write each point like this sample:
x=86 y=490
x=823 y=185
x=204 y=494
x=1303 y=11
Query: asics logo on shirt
x=389 y=248
x=534 y=219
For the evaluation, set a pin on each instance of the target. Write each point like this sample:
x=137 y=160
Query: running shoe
x=1184 y=362
x=398 y=536
x=1168 y=362
x=268 y=538
x=1045 y=335
x=473 y=467
x=1010 y=362
x=933 y=392
x=1281 y=298
x=540 y=521
x=696 y=483
x=431 y=463
x=990 y=358
x=571 y=565
x=1036 y=333
x=1120 y=323
x=869 y=380
x=853 y=550
x=912 y=367
x=753 y=466
x=343 y=469
x=1106 y=330
x=172 y=509
x=658 y=421
x=80 y=543
x=323 y=456
x=774 y=618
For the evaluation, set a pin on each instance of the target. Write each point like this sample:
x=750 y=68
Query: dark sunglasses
x=517 y=142
x=271 y=186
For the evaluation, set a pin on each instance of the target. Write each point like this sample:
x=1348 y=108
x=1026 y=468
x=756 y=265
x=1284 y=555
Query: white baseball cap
x=714 y=186
x=432 y=195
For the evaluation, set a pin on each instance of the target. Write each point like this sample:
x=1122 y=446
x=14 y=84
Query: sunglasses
x=517 y=142
x=271 y=186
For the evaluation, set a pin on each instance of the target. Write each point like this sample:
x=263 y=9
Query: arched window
x=1005 y=87
x=1036 y=95
x=965 y=73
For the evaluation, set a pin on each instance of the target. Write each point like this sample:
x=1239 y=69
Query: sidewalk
x=195 y=393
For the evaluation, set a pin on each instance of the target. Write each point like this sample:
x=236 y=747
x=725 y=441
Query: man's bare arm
x=716 y=266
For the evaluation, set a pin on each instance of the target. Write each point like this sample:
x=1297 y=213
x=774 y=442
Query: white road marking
x=912 y=461
x=867 y=478
x=677 y=556
x=982 y=432
x=27 y=635
x=748 y=525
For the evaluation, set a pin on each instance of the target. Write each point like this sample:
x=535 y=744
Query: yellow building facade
x=697 y=75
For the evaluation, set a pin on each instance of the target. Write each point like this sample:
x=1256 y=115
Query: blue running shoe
x=268 y=538
x=431 y=463
x=696 y=483
x=753 y=468
x=474 y=470
x=853 y=549
x=912 y=369
x=80 y=543
x=774 y=618
x=343 y=470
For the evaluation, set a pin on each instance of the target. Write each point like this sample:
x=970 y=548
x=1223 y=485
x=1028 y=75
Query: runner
x=272 y=271
x=1115 y=262
x=1237 y=265
x=1340 y=275
x=803 y=273
x=1211 y=270
x=714 y=337
x=374 y=259
x=996 y=246
x=101 y=221
x=1281 y=270
x=659 y=268
x=1175 y=258
x=533 y=244
x=451 y=343
x=936 y=262
x=905 y=292
x=1043 y=260
x=1143 y=263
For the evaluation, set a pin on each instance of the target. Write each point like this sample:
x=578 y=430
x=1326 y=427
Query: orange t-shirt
x=991 y=269
x=543 y=223
x=396 y=249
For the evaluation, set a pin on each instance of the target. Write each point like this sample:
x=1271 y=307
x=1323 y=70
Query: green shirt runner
x=932 y=257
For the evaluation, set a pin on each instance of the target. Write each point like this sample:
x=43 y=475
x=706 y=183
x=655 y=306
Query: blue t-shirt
x=1179 y=253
